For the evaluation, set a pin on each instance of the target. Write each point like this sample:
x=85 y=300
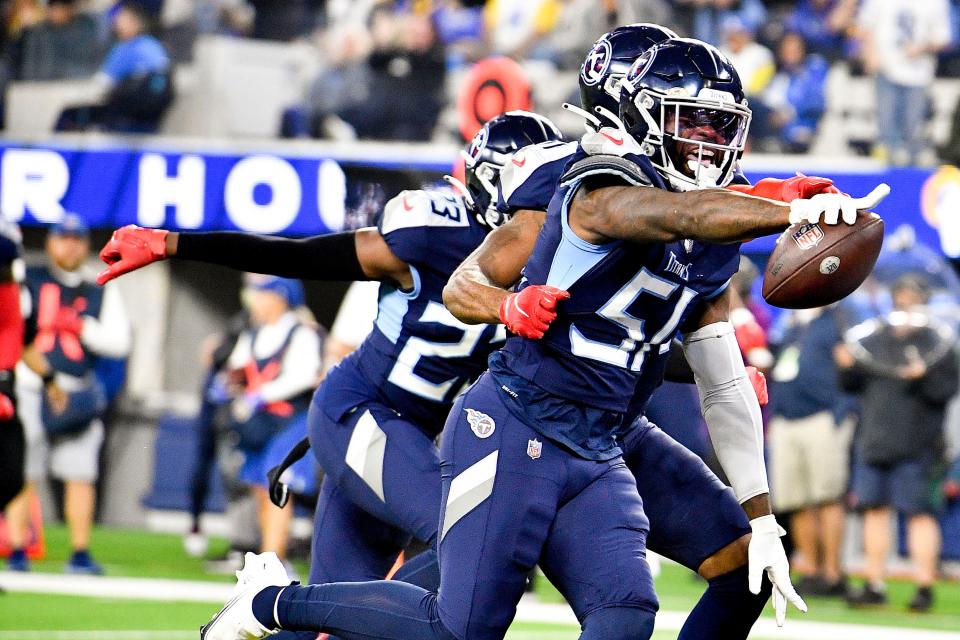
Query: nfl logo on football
x=534 y=449
x=808 y=236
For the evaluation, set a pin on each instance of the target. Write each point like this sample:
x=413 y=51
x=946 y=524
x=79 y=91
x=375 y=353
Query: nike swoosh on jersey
x=520 y=162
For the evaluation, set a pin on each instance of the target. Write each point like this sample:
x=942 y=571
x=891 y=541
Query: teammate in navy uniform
x=694 y=519
x=529 y=452
x=374 y=419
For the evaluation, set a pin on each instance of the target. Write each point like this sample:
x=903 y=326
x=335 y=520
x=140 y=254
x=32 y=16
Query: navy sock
x=385 y=609
x=80 y=555
x=263 y=604
x=727 y=609
x=422 y=570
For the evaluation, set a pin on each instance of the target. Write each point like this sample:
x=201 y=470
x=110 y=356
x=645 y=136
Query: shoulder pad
x=610 y=142
x=412 y=209
x=605 y=165
x=526 y=161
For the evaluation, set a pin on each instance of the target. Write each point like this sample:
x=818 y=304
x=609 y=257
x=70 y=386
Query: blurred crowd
x=859 y=419
x=385 y=64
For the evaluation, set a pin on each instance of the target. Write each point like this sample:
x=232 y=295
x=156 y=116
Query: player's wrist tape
x=328 y=257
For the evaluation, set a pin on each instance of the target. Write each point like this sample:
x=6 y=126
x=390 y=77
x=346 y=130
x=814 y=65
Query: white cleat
x=195 y=544
x=236 y=620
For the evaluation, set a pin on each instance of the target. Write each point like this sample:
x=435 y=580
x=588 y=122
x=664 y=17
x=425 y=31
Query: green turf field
x=139 y=554
x=64 y=613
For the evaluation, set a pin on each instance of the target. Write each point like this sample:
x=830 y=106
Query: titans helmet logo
x=597 y=62
x=478 y=144
x=640 y=66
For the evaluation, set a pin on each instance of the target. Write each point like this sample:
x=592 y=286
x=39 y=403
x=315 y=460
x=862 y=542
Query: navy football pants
x=381 y=487
x=507 y=493
x=370 y=504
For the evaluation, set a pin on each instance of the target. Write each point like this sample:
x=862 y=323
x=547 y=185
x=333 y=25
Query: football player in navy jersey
x=374 y=419
x=673 y=483
x=530 y=451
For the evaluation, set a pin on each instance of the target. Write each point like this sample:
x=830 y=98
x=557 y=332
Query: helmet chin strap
x=685 y=183
x=612 y=117
x=462 y=188
x=705 y=177
x=592 y=122
x=491 y=217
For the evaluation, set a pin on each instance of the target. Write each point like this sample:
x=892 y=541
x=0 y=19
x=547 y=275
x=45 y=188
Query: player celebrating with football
x=530 y=450
x=673 y=483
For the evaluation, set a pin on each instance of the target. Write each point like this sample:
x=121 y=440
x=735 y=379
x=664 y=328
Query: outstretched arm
x=356 y=255
x=477 y=291
x=646 y=214
x=477 y=287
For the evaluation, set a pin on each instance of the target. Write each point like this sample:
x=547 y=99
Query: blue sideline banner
x=189 y=190
x=926 y=199
x=315 y=190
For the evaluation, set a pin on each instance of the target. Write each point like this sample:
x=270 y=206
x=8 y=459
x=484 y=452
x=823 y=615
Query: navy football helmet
x=491 y=148
x=682 y=101
x=609 y=61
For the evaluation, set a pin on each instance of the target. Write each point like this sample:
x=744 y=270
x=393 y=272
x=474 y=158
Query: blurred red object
x=493 y=86
x=6 y=408
x=951 y=489
x=36 y=546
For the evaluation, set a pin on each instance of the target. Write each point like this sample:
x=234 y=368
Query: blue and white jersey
x=608 y=346
x=419 y=357
x=530 y=179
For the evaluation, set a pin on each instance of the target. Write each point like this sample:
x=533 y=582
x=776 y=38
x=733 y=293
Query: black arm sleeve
x=678 y=369
x=329 y=257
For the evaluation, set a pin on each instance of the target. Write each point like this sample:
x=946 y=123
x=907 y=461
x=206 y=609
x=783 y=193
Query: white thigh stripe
x=468 y=490
x=365 y=452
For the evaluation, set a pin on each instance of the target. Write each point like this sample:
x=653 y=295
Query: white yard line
x=126 y=588
x=530 y=610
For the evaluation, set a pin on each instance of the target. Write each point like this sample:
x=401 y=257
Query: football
x=817 y=264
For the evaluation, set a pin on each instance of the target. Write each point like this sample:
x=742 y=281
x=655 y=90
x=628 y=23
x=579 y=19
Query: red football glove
x=759 y=383
x=6 y=408
x=530 y=312
x=69 y=321
x=130 y=248
x=750 y=336
x=797 y=187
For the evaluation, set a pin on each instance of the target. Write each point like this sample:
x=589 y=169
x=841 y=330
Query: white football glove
x=831 y=207
x=766 y=554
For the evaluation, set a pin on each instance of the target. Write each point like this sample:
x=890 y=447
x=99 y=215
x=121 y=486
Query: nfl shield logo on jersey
x=808 y=236
x=534 y=449
x=481 y=424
